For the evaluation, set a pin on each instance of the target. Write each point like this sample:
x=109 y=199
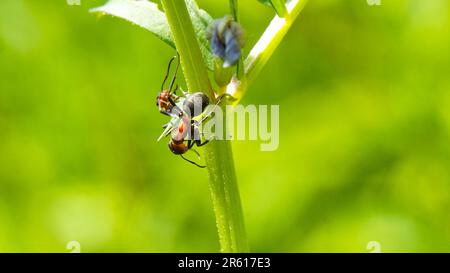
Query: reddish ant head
x=165 y=100
x=162 y=101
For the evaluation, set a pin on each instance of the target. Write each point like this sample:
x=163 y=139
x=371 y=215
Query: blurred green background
x=364 y=143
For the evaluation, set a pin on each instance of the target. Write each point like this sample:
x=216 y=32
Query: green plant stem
x=194 y=68
x=218 y=154
x=234 y=10
x=225 y=196
x=269 y=41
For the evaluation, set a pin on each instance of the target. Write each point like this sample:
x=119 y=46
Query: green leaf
x=278 y=5
x=142 y=13
x=201 y=21
x=147 y=15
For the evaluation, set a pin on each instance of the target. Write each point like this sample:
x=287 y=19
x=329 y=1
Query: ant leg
x=171 y=101
x=167 y=73
x=198 y=140
x=196 y=135
x=200 y=144
x=190 y=144
x=219 y=98
x=165 y=112
x=185 y=93
x=192 y=162
x=218 y=101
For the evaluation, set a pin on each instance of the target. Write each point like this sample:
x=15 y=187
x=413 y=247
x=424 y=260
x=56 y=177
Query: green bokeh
x=364 y=142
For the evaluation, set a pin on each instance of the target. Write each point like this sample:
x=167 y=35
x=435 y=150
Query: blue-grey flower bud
x=227 y=39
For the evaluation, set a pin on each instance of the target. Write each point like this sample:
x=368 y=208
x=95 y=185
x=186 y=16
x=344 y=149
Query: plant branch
x=234 y=10
x=269 y=41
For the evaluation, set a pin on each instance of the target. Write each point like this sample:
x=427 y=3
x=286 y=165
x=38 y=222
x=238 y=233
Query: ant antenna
x=167 y=73
x=176 y=71
x=192 y=162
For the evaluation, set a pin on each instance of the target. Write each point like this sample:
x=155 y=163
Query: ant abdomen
x=178 y=148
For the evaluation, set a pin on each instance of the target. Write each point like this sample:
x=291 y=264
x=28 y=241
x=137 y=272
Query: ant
x=182 y=109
